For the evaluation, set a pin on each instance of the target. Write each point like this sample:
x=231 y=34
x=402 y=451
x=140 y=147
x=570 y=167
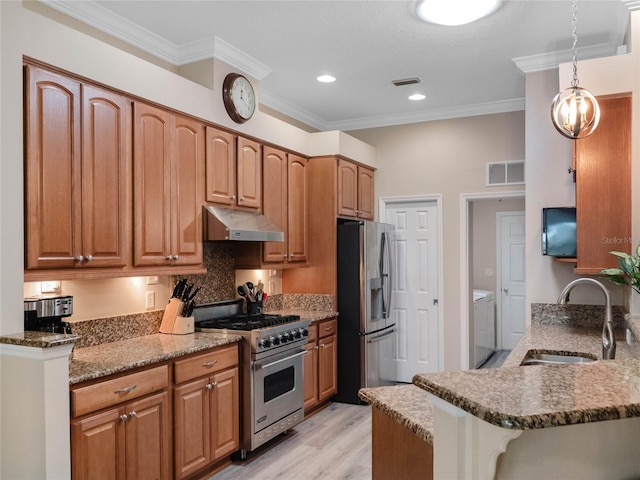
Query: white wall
x=446 y=157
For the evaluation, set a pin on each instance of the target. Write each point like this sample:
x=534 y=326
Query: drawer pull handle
x=210 y=364
x=125 y=390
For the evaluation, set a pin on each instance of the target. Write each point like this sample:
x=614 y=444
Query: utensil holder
x=254 y=308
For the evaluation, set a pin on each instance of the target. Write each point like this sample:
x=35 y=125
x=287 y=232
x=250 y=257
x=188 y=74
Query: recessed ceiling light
x=455 y=12
x=326 y=78
x=417 y=96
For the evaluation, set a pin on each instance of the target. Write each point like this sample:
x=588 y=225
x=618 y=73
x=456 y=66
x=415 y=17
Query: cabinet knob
x=291 y=255
x=169 y=257
x=176 y=257
x=285 y=255
x=233 y=197
x=123 y=418
x=133 y=414
x=79 y=258
x=89 y=258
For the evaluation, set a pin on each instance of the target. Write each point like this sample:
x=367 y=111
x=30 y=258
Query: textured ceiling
x=366 y=44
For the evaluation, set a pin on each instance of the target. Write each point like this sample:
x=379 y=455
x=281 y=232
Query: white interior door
x=416 y=288
x=511 y=294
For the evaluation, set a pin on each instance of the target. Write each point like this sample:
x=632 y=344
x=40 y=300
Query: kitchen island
x=538 y=421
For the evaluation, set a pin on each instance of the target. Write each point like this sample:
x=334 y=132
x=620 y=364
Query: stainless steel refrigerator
x=366 y=328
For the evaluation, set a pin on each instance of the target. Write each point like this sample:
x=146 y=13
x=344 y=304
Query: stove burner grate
x=248 y=322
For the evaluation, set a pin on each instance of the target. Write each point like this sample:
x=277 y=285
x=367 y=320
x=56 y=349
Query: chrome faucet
x=608 y=342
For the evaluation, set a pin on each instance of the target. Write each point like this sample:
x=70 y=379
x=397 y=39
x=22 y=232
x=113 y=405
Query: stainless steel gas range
x=272 y=367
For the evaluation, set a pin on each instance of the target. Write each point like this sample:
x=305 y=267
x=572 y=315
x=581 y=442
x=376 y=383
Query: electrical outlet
x=52 y=286
x=150 y=299
x=488 y=272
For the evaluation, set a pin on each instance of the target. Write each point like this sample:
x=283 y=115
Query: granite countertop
x=38 y=339
x=406 y=404
x=540 y=396
x=99 y=361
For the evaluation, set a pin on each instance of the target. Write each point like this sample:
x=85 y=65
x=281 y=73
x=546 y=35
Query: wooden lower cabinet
x=127 y=442
x=397 y=452
x=206 y=418
x=321 y=364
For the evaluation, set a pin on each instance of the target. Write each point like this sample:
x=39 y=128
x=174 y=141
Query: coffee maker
x=45 y=313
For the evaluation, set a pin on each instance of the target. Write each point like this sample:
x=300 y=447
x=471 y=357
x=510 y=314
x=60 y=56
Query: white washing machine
x=484 y=327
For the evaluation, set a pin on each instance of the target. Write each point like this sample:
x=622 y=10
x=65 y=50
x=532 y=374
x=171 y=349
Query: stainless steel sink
x=556 y=359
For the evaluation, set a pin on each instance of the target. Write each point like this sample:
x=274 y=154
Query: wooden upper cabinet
x=249 y=173
x=186 y=194
x=365 y=193
x=297 y=210
x=603 y=188
x=274 y=206
x=168 y=151
x=355 y=190
x=347 y=188
x=77 y=201
x=285 y=204
x=233 y=170
x=106 y=160
x=220 y=167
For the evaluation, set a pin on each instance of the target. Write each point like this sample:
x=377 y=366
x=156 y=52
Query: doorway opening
x=485 y=267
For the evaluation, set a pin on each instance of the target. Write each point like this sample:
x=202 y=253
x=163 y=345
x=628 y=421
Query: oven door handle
x=260 y=366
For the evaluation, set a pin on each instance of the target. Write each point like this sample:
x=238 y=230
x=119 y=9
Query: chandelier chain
x=574 y=21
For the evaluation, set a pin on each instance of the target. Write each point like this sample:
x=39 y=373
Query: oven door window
x=279 y=383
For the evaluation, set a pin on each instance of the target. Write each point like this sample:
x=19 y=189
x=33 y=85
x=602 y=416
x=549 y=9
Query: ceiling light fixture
x=455 y=12
x=575 y=112
x=326 y=78
x=417 y=96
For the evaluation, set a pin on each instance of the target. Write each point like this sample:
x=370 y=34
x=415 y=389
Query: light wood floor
x=334 y=444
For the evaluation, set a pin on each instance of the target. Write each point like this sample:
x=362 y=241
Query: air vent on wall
x=406 y=81
x=505 y=173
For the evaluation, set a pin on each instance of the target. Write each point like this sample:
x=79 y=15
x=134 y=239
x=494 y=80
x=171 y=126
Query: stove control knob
x=289 y=336
x=297 y=333
x=264 y=343
x=304 y=332
x=283 y=338
x=276 y=340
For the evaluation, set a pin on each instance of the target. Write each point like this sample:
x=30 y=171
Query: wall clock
x=239 y=97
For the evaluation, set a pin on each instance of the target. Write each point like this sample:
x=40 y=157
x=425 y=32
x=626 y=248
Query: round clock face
x=239 y=97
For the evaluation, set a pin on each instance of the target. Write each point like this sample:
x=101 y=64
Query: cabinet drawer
x=328 y=327
x=313 y=333
x=118 y=390
x=205 y=364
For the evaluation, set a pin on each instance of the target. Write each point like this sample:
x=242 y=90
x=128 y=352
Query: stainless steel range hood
x=239 y=225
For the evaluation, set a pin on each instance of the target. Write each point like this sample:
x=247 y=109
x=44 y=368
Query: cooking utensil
x=241 y=291
x=247 y=293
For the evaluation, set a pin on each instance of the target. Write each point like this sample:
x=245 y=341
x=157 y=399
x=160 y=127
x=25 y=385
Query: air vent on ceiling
x=505 y=173
x=406 y=81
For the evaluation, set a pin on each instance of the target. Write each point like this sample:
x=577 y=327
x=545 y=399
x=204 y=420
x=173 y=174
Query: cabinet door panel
x=347 y=189
x=365 y=193
x=53 y=172
x=148 y=447
x=249 y=173
x=220 y=166
x=297 y=209
x=97 y=446
x=225 y=414
x=105 y=169
x=275 y=201
x=191 y=427
x=327 y=361
x=603 y=188
x=186 y=219
x=152 y=176
x=310 y=375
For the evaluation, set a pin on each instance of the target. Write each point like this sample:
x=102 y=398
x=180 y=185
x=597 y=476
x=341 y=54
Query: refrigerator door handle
x=381 y=337
x=385 y=254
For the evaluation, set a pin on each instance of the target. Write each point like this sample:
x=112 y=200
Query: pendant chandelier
x=575 y=112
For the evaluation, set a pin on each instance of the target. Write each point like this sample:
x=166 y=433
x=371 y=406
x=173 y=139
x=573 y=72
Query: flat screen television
x=559 y=231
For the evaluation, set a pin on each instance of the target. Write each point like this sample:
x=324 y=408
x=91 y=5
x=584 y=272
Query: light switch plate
x=50 y=286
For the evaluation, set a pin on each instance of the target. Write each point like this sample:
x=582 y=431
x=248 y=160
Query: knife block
x=173 y=310
x=182 y=325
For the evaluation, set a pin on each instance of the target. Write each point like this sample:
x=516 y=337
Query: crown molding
x=93 y=14
x=504 y=106
x=548 y=61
